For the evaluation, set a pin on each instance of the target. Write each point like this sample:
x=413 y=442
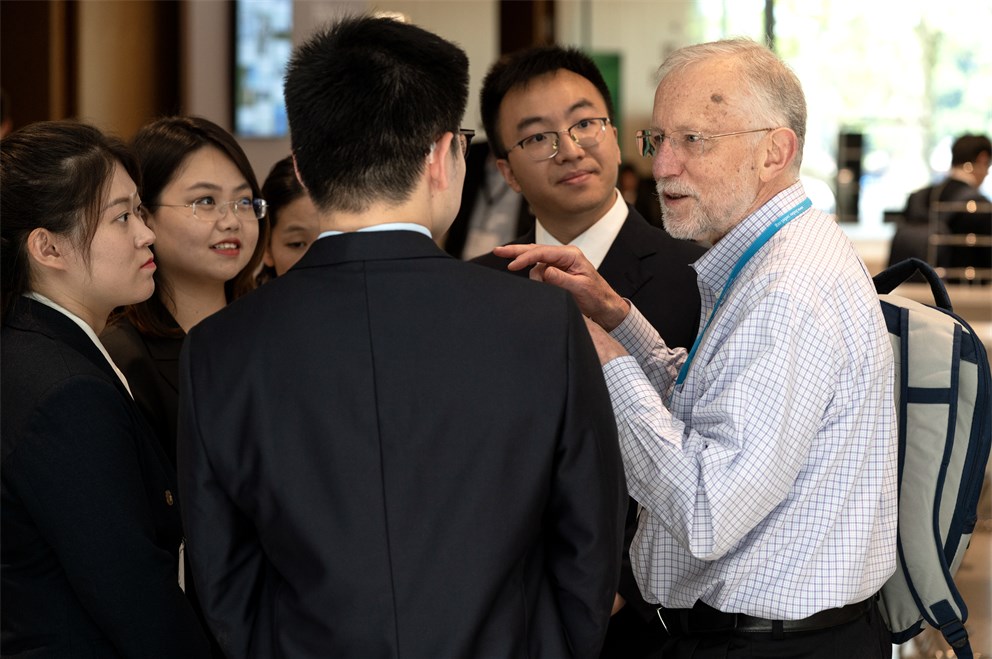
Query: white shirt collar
x=83 y=325
x=389 y=226
x=595 y=241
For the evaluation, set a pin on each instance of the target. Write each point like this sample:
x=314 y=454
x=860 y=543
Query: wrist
x=614 y=314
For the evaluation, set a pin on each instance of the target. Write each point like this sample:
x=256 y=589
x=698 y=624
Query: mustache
x=675 y=188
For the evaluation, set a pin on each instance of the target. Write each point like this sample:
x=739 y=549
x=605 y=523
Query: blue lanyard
x=758 y=243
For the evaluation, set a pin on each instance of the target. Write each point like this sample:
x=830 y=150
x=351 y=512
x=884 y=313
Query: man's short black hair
x=968 y=147
x=519 y=68
x=366 y=98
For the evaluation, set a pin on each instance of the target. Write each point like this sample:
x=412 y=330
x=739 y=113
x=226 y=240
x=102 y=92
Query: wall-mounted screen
x=263 y=42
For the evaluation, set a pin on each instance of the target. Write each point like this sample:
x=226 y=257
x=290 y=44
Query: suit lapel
x=33 y=316
x=622 y=267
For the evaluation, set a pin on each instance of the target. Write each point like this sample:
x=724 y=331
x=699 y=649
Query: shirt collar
x=713 y=268
x=83 y=325
x=595 y=241
x=389 y=226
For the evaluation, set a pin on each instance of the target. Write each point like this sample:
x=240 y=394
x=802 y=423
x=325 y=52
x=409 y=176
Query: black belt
x=703 y=618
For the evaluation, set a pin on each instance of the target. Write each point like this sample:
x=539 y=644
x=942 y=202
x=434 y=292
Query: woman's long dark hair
x=54 y=175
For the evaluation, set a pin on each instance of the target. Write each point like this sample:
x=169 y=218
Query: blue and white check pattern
x=769 y=485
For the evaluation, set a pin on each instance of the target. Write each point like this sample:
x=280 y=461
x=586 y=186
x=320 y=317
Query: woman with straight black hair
x=91 y=525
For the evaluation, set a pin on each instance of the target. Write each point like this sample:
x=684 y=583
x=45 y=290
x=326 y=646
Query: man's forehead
x=575 y=89
x=683 y=96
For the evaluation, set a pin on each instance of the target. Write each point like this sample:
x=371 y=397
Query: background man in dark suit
x=548 y=115
x=955 y=205
x=389 y=452
x=491 y=212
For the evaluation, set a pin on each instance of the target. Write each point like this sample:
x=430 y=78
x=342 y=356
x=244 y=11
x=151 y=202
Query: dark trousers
x=630 y=636
x=865 y=637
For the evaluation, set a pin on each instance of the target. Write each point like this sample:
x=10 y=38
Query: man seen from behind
x=389 y=452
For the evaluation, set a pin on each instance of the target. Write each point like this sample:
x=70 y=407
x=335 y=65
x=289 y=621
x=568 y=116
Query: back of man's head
x=366 y=99
x=967 y=148
x=520 y=68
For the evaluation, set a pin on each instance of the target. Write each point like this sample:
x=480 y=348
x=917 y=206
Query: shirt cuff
x=635 y=333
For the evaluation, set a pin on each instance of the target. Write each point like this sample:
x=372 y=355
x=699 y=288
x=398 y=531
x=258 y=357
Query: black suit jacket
x=151 y=366
x=651 y=269
x=91 y=522
x=389 y=452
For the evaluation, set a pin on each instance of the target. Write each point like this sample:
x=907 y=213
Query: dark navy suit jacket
x=392 y=453
x=91 y=521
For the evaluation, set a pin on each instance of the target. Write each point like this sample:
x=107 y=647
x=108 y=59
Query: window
x=262 y=47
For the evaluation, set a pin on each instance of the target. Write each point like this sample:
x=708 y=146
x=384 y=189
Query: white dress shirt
x=388 y=226
x=595 y=241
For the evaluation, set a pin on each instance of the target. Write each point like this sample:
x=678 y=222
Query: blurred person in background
x=967 y=210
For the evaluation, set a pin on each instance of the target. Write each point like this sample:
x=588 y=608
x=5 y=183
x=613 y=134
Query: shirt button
x=169 y=498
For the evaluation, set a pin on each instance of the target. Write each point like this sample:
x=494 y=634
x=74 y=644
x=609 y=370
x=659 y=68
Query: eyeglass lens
x=210 y=209
x=585 y=133
x=649 y=143
x=683 y=143
x=465 y=136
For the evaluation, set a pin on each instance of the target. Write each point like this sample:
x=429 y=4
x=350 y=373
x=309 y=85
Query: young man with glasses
x=549 y=117
x=765 y=456
x=385 y=451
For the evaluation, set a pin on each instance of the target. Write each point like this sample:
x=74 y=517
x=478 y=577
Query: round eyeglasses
x=684 y=143
x=210 y=210
x=544 y=146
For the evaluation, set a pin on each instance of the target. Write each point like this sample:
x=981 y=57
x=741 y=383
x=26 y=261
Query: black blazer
x=651 y=269
x=91 y=522
x=151 y=366
x=392 y=453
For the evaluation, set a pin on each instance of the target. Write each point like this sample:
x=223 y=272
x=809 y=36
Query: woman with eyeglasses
x=207 y=212
x=292 y=218
x=91 y=527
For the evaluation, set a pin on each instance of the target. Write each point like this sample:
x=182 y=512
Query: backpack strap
x=887 y=280
x=952 y=629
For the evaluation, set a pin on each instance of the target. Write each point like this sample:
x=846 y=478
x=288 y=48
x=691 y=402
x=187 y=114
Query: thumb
x=537 y=272
x=553 y=275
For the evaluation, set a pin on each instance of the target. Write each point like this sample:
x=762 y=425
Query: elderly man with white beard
x=764 y=457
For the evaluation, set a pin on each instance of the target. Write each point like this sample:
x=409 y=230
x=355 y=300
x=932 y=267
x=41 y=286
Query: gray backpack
x=945 y=431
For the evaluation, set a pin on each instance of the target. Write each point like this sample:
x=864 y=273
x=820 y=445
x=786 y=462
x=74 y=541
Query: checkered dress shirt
x=768 y=480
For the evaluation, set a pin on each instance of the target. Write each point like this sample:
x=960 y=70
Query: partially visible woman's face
x=120 y=265
x=216 y=243
x=296 y=229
